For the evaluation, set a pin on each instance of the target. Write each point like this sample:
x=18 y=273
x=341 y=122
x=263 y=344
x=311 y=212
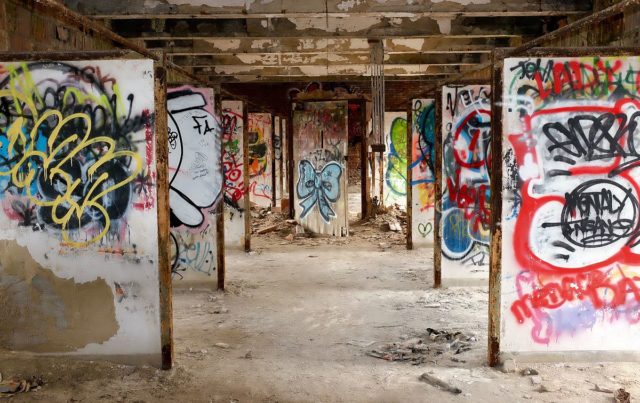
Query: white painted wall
x=233 y=159
x=394 y=187
x=570 y=266
x=195 y=186
x=260 y=170
x=464 y=224
x=422 y=172
x=116 y=243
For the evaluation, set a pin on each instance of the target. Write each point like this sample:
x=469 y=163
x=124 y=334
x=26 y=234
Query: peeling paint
x=445 y=25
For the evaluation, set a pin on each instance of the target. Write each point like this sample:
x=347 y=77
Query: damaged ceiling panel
x=226 y=40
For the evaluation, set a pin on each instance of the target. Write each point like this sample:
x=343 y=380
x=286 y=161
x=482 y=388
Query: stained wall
x=570 y=216
x=195 y=181
x=234 y=173
x=422 y=165
x=78 y=216
x=260 y=141
x=320 y=178
x=464 y=223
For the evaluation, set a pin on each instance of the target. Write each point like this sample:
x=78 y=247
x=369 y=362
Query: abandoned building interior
x=319 y=201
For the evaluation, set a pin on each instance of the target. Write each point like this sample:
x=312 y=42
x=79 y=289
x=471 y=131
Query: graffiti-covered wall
x=570 y=218
x=234 y=172
x=423 y=119
x=260 y=167
x=277 y=155
x=394 y=189
x=464 y=223
x=78 y=219
x=195 y=181
x=320 y=178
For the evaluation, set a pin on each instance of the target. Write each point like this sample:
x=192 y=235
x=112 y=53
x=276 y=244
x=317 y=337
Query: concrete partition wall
x=260 y=150
x=234 y=173
x=277 y=158
x=422 y=171
x=319 y=148
x=570 y=215
x=464 y=223
x=394 y=185
x=195 y=181
x=78 y=217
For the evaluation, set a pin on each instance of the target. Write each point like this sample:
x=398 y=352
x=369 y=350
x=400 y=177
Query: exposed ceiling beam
x=325 y=58
x=311 y=71
x=376 y=14
x=319 y=9
x=339 y=28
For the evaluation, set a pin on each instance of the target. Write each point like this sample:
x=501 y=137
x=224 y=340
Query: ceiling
x=298 y=40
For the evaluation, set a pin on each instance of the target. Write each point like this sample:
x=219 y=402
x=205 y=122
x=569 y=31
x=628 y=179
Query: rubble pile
x=426 y=347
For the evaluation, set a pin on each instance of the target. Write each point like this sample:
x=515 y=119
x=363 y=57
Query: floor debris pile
x=426 y=347
x=13 y=386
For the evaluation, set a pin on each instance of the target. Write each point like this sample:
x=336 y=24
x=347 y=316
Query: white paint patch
x=445 y=25
x=464 y=2
x=347 y=5
x=264 y=23
x=263 y=44
x=225 y=44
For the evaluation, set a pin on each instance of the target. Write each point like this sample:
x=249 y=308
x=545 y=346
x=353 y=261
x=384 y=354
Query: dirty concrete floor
x=296 y=323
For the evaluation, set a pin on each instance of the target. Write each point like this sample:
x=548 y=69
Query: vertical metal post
x=409 y=176
x=246 y=182
x=437 y=236
x=220 y=261
x=495 y=259
x=162 y=185
x=364 y=162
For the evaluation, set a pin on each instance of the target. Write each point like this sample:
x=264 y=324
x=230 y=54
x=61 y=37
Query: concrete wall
x=277 y=158
x=234 y=173
x=394 y=188
x=260 y=157
x=464 y=224
x=570 y=219
x=319 y=148
x=195 y=181
x=422 y=167
x=78 y=223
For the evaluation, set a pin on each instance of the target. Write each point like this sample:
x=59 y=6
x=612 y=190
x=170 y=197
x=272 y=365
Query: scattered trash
x=222 y=345
x=10 y=387
x=268 y=229
x=289 y=237
x=439 y=383
x=424 y=347
x=248 y=355
x=622 y=396
x=536 y=380
x=601 y=389
x=529 y=371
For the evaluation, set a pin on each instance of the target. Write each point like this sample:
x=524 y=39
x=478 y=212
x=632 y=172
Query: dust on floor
x=298 y=323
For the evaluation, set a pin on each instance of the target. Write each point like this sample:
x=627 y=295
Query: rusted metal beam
x=164 y=248
x=66 y=55
x=246 y=182
x=85 y=24
x=437 y=237
x=495 y=258
x=409 y=174
x=339 y=15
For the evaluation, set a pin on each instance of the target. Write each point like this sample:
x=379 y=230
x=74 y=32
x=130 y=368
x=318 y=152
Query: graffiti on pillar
x=571 y=222
x=320 y=146
x=233 y=166
x=259 y=158
x=195 y=178
x=466 y=159
x=422 y=170
x=78 y=212
x=68 y=159
x=395 y=159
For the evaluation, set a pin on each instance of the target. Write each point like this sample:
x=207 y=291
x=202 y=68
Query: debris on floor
x=439 y=383
x=622 y=396
x=425 y=347
x=10 y=387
